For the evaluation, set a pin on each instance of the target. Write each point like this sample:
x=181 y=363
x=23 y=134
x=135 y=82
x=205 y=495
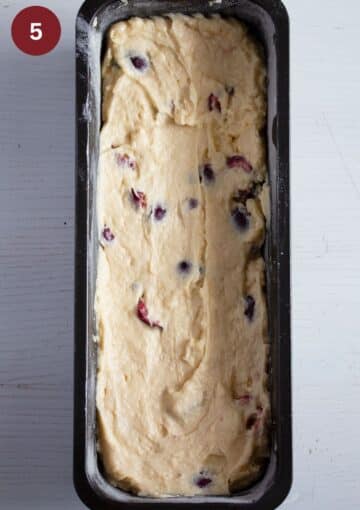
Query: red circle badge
x=36 y=30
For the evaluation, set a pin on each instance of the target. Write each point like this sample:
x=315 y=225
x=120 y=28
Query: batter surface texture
x=182 y=396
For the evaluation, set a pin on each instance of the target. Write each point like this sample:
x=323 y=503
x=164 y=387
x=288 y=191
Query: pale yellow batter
x=182 y=397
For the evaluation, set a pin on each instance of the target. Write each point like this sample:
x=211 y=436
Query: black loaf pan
x=269 y=20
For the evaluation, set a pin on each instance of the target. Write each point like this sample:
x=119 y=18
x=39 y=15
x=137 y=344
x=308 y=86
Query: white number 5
x=35 y=31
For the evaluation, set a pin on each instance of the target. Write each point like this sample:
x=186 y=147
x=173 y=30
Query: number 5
x=35 y=31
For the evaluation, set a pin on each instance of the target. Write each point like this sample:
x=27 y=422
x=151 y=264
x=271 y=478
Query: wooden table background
x=36 y=261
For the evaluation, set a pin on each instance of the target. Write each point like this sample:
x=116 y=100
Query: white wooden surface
x=36 y=261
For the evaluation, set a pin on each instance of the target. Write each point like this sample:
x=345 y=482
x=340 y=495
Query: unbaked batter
x=182 y=393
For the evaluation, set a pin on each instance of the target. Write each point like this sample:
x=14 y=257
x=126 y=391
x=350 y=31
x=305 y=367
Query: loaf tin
x=269 y=21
